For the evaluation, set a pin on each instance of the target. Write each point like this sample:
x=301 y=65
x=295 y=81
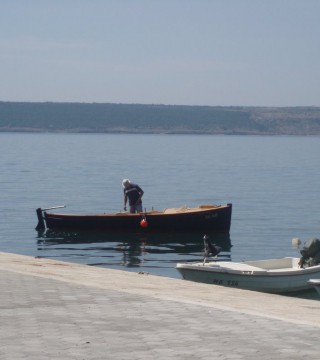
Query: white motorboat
x=316 y=284
x=270 y=275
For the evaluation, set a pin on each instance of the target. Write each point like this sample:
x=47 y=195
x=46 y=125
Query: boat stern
x=41 y=226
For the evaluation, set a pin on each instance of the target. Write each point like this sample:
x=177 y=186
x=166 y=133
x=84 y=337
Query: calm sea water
x=272 y=182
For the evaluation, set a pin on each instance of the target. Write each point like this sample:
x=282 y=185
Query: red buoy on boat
x=144 y=223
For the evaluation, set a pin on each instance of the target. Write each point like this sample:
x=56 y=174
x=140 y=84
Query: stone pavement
x=57 y=310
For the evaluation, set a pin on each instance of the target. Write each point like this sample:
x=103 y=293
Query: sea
x=272 y=182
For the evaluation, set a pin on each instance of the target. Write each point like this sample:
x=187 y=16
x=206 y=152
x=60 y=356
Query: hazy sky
x=192 y=52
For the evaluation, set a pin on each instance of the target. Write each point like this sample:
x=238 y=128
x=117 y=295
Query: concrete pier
x=57 y=310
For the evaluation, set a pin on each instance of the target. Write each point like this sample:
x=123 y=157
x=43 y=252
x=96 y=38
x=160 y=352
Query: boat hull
x=271 y=281
x=214 y=219
x=316 y=284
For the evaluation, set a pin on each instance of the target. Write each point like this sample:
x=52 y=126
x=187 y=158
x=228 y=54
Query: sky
x=173 y=52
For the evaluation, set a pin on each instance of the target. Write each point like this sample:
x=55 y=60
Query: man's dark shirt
x=133 y=193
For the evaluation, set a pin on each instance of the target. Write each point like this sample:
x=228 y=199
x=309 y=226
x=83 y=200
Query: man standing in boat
x=134 y=193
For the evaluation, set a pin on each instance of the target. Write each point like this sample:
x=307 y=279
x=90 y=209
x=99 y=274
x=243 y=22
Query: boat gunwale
x=165 y=212
x=315 y=282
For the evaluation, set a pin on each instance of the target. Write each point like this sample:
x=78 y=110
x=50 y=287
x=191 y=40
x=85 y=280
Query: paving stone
x=46 y=318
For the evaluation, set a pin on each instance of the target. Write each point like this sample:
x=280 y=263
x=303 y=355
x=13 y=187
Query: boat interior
x=269 y=265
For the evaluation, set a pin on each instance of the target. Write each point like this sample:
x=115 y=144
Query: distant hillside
x=170 y=119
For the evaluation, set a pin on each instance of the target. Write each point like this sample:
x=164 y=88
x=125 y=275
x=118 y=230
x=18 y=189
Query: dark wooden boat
x=214 y=218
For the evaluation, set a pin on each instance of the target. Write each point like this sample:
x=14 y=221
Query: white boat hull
x=272 y=275
x=316 y=284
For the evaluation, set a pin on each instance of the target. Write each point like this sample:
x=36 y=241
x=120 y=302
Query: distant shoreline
x=17 y=131
x=99 y=118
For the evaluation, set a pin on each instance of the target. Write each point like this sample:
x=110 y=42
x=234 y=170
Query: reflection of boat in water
x=123 y=249
x=214 y=218
x=87 y=237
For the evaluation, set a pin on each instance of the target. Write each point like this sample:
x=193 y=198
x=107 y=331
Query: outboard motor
x=310 y=253
x=209 y=248
x=41 y=226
